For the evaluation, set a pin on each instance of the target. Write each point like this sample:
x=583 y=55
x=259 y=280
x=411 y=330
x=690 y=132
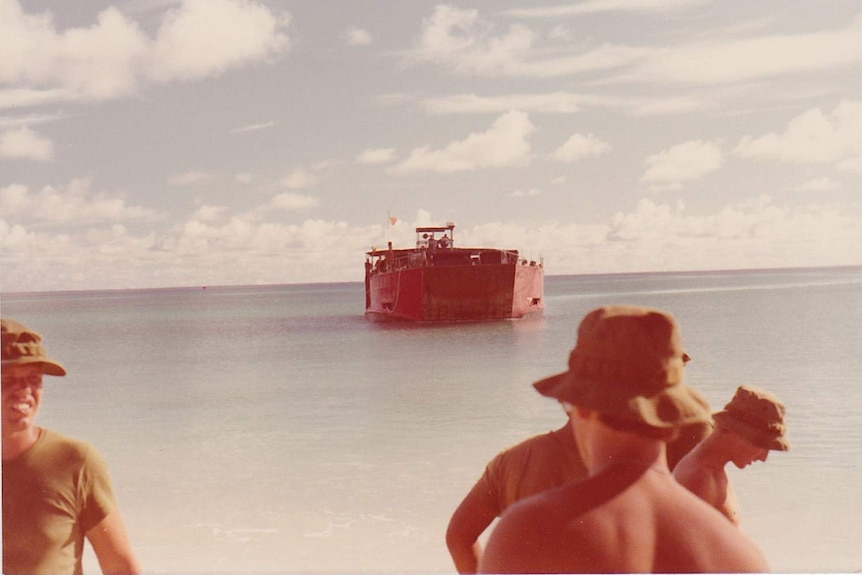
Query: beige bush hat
x=22 y=346
x=756 y=415
x=628 y=363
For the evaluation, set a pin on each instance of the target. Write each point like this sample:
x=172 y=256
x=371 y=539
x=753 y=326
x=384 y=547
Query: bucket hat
x=756 y=415
x=628 y=363
x=22 y=346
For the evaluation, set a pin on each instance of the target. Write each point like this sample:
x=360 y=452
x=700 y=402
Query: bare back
x=624 y=519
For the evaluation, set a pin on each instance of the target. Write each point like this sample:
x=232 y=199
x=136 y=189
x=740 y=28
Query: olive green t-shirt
x=535 y=465
x=53 y=494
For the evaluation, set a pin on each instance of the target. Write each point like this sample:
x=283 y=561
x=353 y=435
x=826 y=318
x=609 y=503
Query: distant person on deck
x=56 y=490
x=535 y=465
x=623 y=391
x=749 y=427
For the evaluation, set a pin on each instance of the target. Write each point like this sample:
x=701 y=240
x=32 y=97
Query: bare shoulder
x=709 y=543
x=539 y=534
x=698 y=478
x=687 y=466
x=516 y=540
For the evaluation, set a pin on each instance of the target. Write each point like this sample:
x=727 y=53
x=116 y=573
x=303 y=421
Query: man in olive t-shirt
x=532 y=466
x=45 y=516
x=56 y=490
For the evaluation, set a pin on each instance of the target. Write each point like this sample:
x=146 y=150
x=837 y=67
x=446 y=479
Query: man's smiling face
x=22 y=395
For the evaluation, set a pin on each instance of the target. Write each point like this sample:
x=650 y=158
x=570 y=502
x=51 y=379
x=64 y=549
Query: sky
x=162 y=143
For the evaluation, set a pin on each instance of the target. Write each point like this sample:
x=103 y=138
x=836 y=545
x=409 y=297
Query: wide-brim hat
x=756 y=415
x=628 y=363
x=23 y=346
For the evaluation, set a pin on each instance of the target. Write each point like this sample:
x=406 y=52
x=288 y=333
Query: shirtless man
x=624 y=394
x=749 y=427
x=530 y=467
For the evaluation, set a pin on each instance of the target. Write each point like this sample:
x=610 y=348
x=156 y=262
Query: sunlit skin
x=22 y=396
x=747 y=453
x=466 y=525
x=702 y=471
x=624 y=519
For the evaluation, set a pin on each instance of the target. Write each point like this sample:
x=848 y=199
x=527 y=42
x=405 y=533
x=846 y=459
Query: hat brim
x=670 y=407
x=47 y=366
x=754 y=435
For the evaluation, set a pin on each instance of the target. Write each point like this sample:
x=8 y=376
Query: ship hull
x=456 y=293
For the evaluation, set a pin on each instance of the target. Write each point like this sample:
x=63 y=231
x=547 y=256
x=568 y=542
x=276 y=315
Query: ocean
x=275 y=429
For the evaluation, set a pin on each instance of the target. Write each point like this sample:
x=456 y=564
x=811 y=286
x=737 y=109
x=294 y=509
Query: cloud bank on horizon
x=154 y=143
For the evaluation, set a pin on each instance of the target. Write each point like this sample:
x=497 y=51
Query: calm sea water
x=275 y=429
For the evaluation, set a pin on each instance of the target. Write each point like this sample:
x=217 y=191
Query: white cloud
x=596 y=6
x=17 y=98
x=652 y=236
x=566 y=103
x=206 y=37
x=298 y=178
x=503 y=144
x=290 y=202
x=682 y=163
x=357 y=37
x=27 y=120
x=580 y=146
x=301 y=177
x=113 y=57
x=214 y=247
x=461 y=40
x=253 y=127
x=819 y=185
x=750 y=234
x=25 y=144
x=96 y=62
x=551 y=103
x=740 y=60
x=193 y=178
x=852 y=164
x=375 y=156
x=531 y=193
x=74 y=203
x=666 y=106
x=811 y=138
x=207 y=213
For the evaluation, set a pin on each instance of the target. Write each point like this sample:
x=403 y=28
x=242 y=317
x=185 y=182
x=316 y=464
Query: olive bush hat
x=756 y=415
x=628 y=363
x=22 y=346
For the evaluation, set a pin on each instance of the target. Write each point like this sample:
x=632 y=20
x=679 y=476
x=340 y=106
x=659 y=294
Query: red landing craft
x=435 y=281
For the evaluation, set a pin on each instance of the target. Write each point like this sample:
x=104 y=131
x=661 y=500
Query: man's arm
x=112 y=547
x=729 y=506
x=468 y=522
x=710 y=485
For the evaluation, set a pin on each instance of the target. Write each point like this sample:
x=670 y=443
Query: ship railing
x=389 y=262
